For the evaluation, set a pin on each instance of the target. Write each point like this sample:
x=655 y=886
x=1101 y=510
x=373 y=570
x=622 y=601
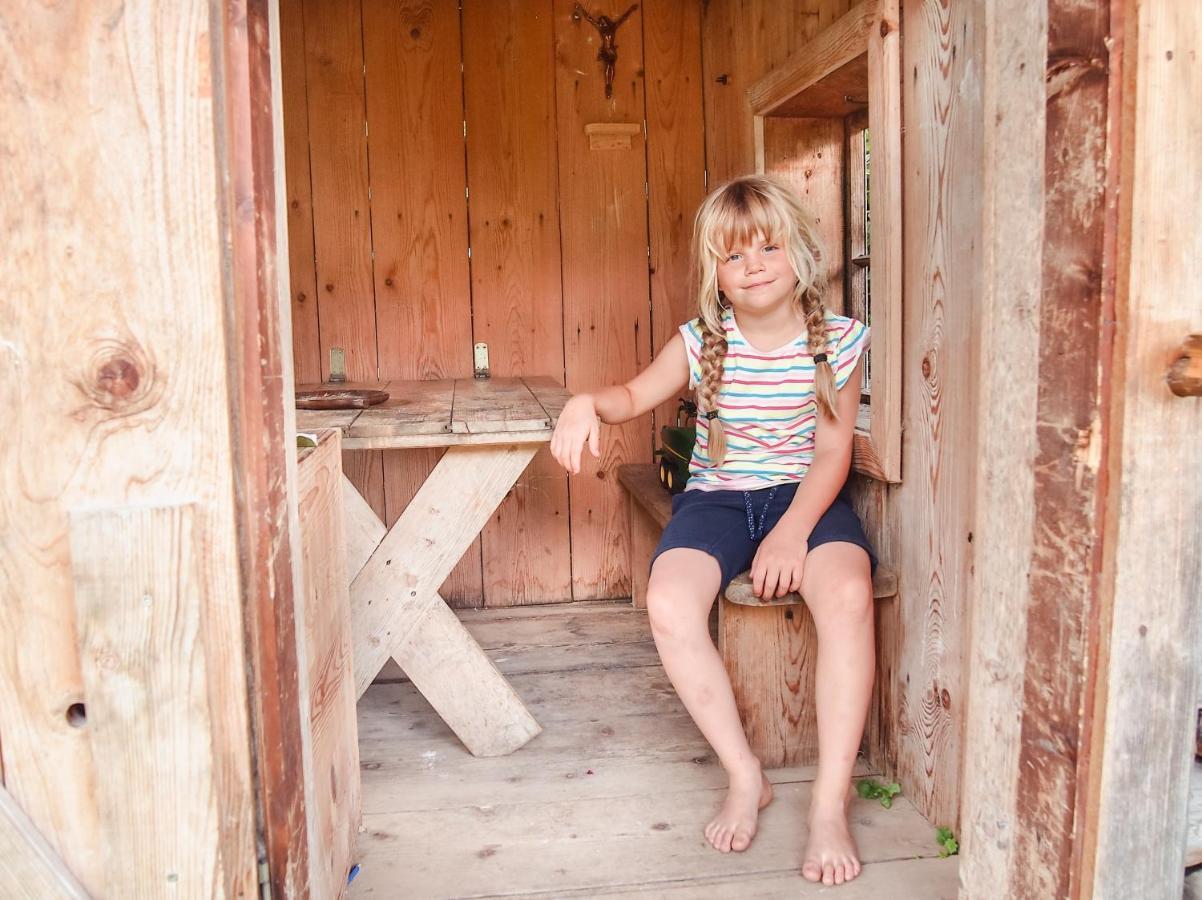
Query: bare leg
x=680 y=593
x=837 y=585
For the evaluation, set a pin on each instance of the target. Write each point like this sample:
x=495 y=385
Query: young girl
x=777 y=379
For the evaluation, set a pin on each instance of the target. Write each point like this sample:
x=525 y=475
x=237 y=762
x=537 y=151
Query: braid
x=824 y=374
x=713 y=354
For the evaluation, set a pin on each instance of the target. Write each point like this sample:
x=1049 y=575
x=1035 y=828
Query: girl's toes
x=828 y=873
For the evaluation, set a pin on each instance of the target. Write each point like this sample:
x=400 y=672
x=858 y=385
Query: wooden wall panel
x=333 y=33
x=934 y=503
x=419 y=222
x=509 y=93
x=606 y=290
x=675 y=163
x=306 y=340
x=116 y=194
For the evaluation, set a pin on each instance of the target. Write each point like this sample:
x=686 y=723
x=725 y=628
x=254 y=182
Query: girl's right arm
x=579 y=423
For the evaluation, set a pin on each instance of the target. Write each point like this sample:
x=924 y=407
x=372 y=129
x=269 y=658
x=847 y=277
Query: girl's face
x=756 y=277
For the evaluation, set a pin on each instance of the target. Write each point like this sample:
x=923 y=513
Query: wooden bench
x=769 y=646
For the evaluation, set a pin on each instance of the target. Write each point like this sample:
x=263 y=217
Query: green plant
x=870 y=788
x=948 y=845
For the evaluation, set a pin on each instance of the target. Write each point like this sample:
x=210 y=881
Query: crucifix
x=607 y=28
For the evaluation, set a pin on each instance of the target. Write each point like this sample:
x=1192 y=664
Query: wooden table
x=491 y=428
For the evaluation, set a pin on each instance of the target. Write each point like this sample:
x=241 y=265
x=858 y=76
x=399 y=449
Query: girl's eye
x=733 y=257
x=768 y=248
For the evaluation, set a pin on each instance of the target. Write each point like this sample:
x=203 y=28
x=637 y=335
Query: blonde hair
x=732 y=216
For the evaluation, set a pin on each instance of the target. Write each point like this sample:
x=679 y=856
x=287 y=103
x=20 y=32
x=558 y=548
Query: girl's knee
x=845 y=600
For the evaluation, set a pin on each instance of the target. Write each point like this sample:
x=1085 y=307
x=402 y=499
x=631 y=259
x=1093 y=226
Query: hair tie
x=711 y=415
x=819 y=358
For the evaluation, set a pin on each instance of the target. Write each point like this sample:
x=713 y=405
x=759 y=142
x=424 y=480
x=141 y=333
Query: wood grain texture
x=1007 y=60
x=337 y=800
x=934 y=504
x=139 y=598
x=412 y=58
x=29 y=867
x=675 y=165
x=342 y=240
x=1151 y=574
x=118 y=209
x=302 y=271
x=512 y=170
x=607 y=327
x=887 y=208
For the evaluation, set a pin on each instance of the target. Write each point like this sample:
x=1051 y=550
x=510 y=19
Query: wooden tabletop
x=444 y=413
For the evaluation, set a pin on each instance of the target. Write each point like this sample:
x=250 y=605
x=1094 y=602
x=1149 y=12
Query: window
x=828 y=121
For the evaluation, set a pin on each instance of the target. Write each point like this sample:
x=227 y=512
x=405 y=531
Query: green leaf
x=865 y=789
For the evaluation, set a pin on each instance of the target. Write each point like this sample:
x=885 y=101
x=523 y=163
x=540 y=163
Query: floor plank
x=608 y=801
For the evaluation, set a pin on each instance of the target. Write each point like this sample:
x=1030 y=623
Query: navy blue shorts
x=729 y=525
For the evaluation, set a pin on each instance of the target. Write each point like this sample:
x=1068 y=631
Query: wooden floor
x=609 y=800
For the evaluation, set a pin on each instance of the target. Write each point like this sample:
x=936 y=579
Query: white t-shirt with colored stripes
x=766 y=404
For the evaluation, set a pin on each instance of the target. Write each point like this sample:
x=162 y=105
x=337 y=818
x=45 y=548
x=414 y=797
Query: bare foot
x=830 y=855
x=735 y=825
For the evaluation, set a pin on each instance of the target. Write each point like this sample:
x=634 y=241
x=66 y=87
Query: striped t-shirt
x=766 y=404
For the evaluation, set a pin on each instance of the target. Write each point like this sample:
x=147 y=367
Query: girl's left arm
x=780 y=560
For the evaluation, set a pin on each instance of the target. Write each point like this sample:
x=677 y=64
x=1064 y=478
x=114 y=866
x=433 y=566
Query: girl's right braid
x=713 y=355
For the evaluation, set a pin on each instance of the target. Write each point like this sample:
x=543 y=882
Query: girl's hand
x=778 y=564
x=578 y=424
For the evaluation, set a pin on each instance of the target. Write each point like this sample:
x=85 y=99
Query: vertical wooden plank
x=808 y=155
x=675 y=164
x=509 y=96
x=139 y=599
x=118 y=209
x=306 y=342
x=727 y=151
x=327 y=635
x=606 y=319
x=885 y=123
x=934 y=504
x=342 y=228
x=1152 y=570
x=419 y=227
x=261 y=415
x=1007 y=61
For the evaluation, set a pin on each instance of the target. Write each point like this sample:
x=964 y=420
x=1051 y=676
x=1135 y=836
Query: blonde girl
x=777 y=379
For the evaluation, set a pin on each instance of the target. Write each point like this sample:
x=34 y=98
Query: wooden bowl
x=331 y=398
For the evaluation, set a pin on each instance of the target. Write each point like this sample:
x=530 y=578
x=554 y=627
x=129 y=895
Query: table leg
x=396 y=609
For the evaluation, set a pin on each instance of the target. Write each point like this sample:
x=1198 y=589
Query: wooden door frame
x=249 y=130
x=1061 y=792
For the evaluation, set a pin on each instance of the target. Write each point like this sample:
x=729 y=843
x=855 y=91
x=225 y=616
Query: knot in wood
x=119 y=377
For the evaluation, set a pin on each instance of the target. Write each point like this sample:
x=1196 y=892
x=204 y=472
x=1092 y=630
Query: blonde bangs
x=740 y=215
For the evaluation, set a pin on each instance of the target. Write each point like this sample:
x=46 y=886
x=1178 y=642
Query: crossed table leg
x=396 y=609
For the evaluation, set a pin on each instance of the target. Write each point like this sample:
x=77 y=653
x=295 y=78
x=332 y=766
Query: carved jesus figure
x=608 y=29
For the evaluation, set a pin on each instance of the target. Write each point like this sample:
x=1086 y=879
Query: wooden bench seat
x=769 y=646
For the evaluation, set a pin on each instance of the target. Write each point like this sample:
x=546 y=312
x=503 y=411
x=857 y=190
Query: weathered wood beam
x=29 y=867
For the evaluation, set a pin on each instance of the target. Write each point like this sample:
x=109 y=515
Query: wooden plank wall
x=117 y=400
x=916 y=735
x=412 y=160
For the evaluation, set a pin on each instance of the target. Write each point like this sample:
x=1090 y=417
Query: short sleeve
x=691 y=332
x=852 y=343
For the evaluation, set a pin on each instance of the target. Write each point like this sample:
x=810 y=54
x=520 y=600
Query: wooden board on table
x=336 y=793
x=492 y=405
x=302 y=272
x=419 y=224
x=342 y=236
x=606 y=316
x=517 y=310
x=412 y=408
x=675 y=166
